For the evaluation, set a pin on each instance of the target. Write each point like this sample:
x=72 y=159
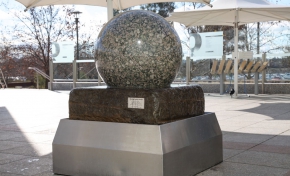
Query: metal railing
x=186 y=81
x=3 y=78
x=40 y=72
x=74 y=73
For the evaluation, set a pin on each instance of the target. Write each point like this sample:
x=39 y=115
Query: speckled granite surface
x=160 y=105
x=138 y=49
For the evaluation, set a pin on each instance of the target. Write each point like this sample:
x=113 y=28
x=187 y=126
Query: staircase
x=40 y=72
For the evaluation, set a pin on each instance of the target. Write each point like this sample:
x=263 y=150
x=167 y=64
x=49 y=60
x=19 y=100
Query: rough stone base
x=160 y=105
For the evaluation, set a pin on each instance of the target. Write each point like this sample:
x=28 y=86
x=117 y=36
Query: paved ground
x=256 y=132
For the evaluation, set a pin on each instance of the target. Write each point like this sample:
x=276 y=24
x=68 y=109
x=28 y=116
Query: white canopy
x=117 y=4
x=223 y=13
x=233 y=13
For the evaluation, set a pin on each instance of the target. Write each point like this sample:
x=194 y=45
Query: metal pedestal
x=183 y=147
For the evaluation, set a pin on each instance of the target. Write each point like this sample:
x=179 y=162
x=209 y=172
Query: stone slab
x=112 y=105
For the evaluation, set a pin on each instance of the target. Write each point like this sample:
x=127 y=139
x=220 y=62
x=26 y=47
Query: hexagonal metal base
x=183 y=147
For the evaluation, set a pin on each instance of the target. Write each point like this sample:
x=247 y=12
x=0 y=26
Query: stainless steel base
x=180 y=148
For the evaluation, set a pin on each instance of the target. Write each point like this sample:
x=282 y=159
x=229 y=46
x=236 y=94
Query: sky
x=98 y=15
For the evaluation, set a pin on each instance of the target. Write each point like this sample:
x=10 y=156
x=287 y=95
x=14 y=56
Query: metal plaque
x=136 y=103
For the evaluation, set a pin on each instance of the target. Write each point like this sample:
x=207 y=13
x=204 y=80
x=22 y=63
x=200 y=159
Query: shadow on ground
x=24 y=153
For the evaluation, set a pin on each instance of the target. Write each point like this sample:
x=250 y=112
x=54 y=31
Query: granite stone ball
x=138 y=49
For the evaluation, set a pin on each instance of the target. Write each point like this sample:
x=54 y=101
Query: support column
x=74 y=73
x=187 y=70
x=256 y=83
x=37 y=80
x=99 y=79
x=110 y=9
x=51 y=74
x=263 y=74
x=222 y=81
x=235 y=54
x=235 y=58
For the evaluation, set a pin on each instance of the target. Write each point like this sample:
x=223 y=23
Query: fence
x=268 y=76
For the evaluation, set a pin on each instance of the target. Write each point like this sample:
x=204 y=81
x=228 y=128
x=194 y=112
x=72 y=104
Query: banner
x=206 y=44
x=63 y=52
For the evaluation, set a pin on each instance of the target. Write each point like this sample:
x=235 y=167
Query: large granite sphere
x=138 y=49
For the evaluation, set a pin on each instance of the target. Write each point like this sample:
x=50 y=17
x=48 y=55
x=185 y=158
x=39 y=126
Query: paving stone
x=40 y=130
x=229 y=114
x=48 y=173
x=27 y=127
x=8 y=135
x=246 y=137
x=252 y=117
x=282 y=140
x=238 y=145
x=236 y=123
x=273 y=124
x=34 y=138
x=259 y=130
x=5 y=115
x=263 y=158
x=286 y=133
x=229 y=129
x=285 y=116
x=31 y=150
x=238 y=169
x=7 y=174
x=228 y=153
x=8 y=158
x=10 y=127
x=287 y=174
x=45 y=129
x=269 y=112
x=6 y=121
x=272 y=149
x=246 y=106
x=11 y=144
x=28 y=166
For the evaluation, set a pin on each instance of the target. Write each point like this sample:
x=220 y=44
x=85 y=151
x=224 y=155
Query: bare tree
x=38 y=28
x=7 y=63
x=256 y=38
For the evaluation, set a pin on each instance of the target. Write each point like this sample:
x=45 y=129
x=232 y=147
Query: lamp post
x=76 y=14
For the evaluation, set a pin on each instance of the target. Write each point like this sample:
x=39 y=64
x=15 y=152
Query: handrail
x=40 y=72
x=3 y=78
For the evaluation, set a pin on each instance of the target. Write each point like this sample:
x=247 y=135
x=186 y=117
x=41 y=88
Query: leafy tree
x=163 y=9
x=117 y=12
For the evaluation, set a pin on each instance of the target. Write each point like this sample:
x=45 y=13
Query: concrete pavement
x=256 y=132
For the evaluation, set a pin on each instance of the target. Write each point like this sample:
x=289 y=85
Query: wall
x=270 y=88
